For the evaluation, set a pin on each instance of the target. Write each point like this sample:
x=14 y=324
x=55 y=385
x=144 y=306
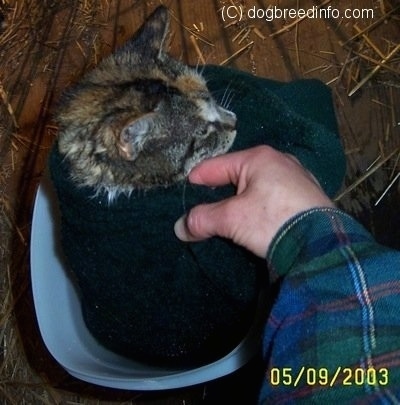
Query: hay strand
x=387 y=189
x=366 y=175
x=288 y=27
x=9 y=107
x=373 y=25
x=375 y=70
x=197 y=49
x=237 y=53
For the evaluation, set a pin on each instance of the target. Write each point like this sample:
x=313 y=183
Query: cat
x=141 y=119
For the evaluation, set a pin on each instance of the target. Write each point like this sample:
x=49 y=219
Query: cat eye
x=205 y=96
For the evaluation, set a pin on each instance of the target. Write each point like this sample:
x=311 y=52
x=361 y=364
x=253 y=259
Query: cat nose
x=228 y=119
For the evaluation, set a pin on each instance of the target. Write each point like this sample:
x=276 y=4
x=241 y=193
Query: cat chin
x=198 y=158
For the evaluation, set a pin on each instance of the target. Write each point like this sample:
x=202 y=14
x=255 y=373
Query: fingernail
x=180 y=229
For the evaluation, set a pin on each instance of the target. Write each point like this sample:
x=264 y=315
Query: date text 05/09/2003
x=345 y=376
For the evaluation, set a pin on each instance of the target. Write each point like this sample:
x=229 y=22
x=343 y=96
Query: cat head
x=140 y=118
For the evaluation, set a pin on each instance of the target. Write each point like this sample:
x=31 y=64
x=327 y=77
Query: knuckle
x=230 y=219
x=195 y=222
x=208 y=220
x=264 y=150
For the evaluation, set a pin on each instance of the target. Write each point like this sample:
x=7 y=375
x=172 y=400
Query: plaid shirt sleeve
x=333 y=333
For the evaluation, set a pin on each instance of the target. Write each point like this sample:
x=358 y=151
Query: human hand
x=271 y=187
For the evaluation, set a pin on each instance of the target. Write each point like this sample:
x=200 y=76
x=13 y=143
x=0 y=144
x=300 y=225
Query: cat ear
x=150 y=40
x=133 y=136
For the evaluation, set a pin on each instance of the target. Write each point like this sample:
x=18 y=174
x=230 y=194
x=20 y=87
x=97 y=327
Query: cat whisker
x=227 y=97
x=217 y=97
x=200 y=67
x=185 y=182
x=224 y=96
x=228 y=100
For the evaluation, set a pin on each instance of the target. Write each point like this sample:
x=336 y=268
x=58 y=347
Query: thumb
x=202 y=222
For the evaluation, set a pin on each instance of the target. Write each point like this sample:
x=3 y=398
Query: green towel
x=296 y=117
x=151 y=297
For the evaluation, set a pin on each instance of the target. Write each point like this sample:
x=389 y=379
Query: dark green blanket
x=149 y=296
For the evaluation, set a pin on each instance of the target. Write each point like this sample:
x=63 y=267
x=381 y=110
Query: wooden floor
x=43 y=49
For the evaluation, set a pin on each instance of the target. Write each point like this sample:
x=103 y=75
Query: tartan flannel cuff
x=314 y=234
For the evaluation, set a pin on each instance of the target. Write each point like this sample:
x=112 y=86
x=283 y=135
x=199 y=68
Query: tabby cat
x=141 y=119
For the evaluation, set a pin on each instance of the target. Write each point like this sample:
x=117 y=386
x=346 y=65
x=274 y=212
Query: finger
x=202 y=222
x=182 y=232
x=218 y=171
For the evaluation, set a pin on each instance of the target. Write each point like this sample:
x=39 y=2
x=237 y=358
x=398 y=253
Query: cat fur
x=141 y=119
